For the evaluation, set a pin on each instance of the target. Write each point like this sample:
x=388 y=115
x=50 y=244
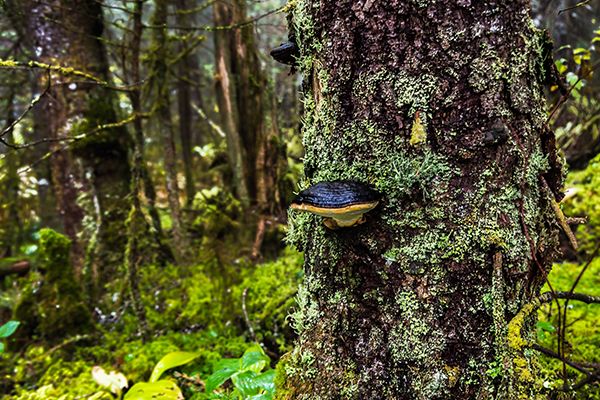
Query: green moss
x=64 y=380
x=582 y=201
x=53 y=308
x=414 y=339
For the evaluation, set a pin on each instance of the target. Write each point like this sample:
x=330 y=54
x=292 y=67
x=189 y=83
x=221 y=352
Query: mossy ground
x=185 y=312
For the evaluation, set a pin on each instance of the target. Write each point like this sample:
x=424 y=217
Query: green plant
x=164 y=389
x=246 y=375
x=6 y=330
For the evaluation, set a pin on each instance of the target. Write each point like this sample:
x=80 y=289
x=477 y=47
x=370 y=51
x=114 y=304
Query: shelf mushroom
x=286 y=53
x=341 y=203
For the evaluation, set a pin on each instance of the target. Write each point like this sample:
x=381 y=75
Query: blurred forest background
x=148 y=152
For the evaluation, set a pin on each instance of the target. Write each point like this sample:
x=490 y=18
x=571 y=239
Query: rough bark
x=66 y=33
x=439 y=106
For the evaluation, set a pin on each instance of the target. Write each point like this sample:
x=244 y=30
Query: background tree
x=66 y=33
x=440 y=106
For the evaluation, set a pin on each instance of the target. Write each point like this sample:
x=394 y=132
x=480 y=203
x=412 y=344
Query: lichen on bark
x=413 y=304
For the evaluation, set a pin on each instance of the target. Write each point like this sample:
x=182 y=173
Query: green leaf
x=1 y=347
x=224 y=370
x=245 y=383
x=546 y=326
x=266 y=381
x=249 y=383
x=164 y=390
x=265 y=396
x=254 y=359
x=8 y=328
x=171 y=360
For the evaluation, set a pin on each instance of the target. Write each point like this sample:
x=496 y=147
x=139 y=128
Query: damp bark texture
x=439 y=106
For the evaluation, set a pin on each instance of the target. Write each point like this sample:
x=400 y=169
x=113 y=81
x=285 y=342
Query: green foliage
x=51 y=304
x=584 y=188
x=63 y=380
x=271 y=288
x=6 y=330
x=169 y=361
x=156 y=388
x=583 y=328
x=246 y=374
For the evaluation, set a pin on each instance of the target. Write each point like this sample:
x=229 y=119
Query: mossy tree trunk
x=67 y=33
x=160 y=89
x=184 y=104
x=438 y=105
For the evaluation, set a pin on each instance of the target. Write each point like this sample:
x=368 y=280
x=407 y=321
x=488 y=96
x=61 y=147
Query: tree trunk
x=184 y=105
x=439 y=106
x=163 y=110
x=67 y=32
x=226 y=83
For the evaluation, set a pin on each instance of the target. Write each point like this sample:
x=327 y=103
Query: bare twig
x=32 y=104
x=67 y=71
x=562 y=221
x=547 y=297
x=246 y=318
x=579 y=367
x=580 y=4
x=210 y=28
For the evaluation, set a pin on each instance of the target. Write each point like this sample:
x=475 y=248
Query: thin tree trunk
x=439 y=106
x=184 y=104
x=161 y=86
x=227 y=98
x=13 y=232
x=47 y=205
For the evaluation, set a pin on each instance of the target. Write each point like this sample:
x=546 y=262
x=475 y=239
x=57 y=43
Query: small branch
x=250 y=329
x=81 y=136
x=32 y=104
x=547 y=297
x=580 y=4
x=67 y=71
x=566 y=96
x=552 y=354
x=212 y=124
x=210 y=28
x=562 y=221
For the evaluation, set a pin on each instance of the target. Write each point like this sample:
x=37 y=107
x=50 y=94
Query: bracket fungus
x=341 y=203
x=286 y=53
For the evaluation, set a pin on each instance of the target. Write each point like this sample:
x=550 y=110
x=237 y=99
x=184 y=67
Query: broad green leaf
x=163 y=390
x=254 y=359
x=1 y=347
x=225 y=369
x=171 y=360
x=8 y=328
x=245 y=383
x=250 y=383
x=266 y=381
